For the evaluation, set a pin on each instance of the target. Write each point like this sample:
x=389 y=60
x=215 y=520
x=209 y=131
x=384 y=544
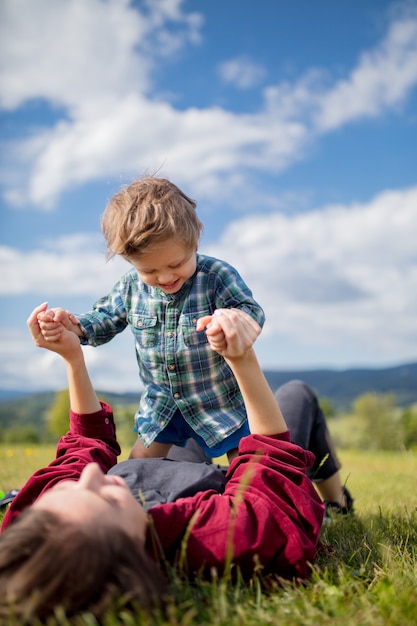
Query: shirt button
x=194 y=320
x=140 y=323
x=170 y=334
x=176 y=395
x=107 y=421
x=171 y=367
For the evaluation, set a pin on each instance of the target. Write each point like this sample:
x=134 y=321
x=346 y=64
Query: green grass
x=365 y=574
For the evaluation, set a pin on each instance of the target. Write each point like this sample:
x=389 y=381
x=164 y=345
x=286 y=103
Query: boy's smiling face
x=167 y=265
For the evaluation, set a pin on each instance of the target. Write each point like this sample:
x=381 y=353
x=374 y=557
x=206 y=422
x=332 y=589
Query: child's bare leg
x=232 y=454
x=155 y=450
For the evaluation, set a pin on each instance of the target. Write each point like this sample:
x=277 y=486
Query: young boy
x=190 y=391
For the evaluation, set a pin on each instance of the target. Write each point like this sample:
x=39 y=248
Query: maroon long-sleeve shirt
x=269 y=514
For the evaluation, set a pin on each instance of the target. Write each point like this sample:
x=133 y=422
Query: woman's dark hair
x=47 y=563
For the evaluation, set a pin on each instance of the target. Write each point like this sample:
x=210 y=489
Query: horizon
x=4 y=393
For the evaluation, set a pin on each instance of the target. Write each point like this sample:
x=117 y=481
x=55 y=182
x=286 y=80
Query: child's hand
x=230 y=332
x=214 y=331
x=52 y=322
x=66 y=344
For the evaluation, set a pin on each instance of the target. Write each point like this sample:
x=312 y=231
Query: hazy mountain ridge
x=340 y=387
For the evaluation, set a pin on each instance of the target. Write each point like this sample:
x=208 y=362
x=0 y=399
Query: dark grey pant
x=307 y=424
x=308 y=428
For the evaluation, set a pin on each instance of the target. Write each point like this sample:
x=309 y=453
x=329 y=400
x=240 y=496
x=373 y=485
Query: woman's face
x=96 y=498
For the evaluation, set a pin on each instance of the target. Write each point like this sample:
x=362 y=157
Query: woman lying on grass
x=76 y=537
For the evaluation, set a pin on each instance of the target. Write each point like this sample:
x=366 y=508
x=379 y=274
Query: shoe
x=8 y=497
x=332 y=508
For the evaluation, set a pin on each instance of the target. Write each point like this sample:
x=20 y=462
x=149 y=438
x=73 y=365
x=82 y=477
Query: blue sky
x=292 y=124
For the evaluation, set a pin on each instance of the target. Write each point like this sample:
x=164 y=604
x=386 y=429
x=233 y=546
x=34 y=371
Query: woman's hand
x=83 y=398
x=230 y=332
x=65 y=342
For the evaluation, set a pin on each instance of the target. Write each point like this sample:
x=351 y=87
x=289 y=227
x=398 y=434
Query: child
x=190 y=391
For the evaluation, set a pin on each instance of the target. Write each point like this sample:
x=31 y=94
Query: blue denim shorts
x=179 y=431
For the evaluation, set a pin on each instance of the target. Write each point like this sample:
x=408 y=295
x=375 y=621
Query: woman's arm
x=91 y=436
x=232 y=334
x=83 y=398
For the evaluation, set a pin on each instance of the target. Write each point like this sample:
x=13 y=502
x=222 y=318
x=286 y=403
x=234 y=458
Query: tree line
x=382 y=424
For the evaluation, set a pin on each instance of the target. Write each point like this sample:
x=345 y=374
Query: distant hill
x=342 y=387
x=23 y=409
x=339 y=387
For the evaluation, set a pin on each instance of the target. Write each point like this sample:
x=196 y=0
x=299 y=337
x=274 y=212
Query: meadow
x=365 y=574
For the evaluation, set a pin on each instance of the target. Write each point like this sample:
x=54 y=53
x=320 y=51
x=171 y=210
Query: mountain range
x=340 y=388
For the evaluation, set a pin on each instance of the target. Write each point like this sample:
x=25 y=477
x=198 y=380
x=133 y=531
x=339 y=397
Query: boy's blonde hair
x=148 y=211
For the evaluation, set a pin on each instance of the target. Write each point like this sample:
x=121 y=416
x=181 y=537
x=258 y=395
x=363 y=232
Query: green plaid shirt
x=176 y=364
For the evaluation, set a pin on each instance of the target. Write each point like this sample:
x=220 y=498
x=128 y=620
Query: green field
x=366 y=573
x=379 y=481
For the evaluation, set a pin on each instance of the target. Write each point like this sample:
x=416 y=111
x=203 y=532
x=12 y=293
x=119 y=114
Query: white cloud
x=198 y=146
x=382 y=79
x=111 y=124
x=242 y=72
x=84 y=54
x=17 y=353
x=25 y=367
x=59 y=268
x=341 y=278
x=58 y=51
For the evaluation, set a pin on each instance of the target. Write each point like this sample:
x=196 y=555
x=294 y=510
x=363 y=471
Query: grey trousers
x=308 y=428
